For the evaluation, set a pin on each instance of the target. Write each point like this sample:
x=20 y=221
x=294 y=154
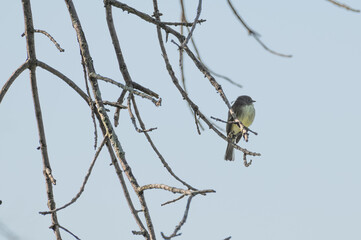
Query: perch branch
x=185 y=95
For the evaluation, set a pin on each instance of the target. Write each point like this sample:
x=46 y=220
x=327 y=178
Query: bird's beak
x=253 y=101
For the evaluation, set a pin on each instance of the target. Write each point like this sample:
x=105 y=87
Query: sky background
x=306 y=184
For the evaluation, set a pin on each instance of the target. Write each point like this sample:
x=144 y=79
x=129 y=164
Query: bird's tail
x=229 y=156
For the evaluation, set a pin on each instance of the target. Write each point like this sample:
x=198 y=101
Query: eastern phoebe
x=245 y=112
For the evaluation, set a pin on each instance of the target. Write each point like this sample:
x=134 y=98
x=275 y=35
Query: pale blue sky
x=305 y=186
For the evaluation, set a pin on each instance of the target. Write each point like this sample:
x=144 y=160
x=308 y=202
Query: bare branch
x=181 y=223
x=174 y=189
x=30 y=46
x=105 y=121
x=66 y=230
x=115 y=104
x=117 y=111
x=197 y=122
x=132 y=118
x=147 y=18
x=183 y=23
x=255 y=34
x=174 y=200
x=144 y=89
x=164 y=162
x=86 y=178
x=12 y=78
x=51 y=39
x=90 y=101
x=130 y=89
x=67 y=80
x=343 y=6
x=199 y=9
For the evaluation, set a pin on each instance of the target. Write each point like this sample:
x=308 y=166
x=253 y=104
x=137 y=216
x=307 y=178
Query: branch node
x=50 y=176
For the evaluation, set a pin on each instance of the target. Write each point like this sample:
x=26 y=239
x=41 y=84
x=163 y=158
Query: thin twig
x=181 y=223
x=144 y=89
x=90 y=100
x=343 y=6
x=12 y=78
x=181 y=66
x=164 y=162
x=117 y=111
x=57 y=45
x=130 y=89
x=67 y=80
x=196 y=122
x=147 y=18
x=254 y=33
x=115 y=104
x=174 y=200
x=84 y=182
x=183 y=18
x=66 y=230
x=199 y=9
x=183 y=23
x=132 y=118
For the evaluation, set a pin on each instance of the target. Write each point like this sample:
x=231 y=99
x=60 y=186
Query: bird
x=244 y=110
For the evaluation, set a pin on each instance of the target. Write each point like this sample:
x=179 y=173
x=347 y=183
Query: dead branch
x=174 y=189
x=164 y=162
x=86 y=178
x=343 y=6
x=57 y=45
x=181 y=223
x=12 y=78
x=130 y=89
x=254 y=33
